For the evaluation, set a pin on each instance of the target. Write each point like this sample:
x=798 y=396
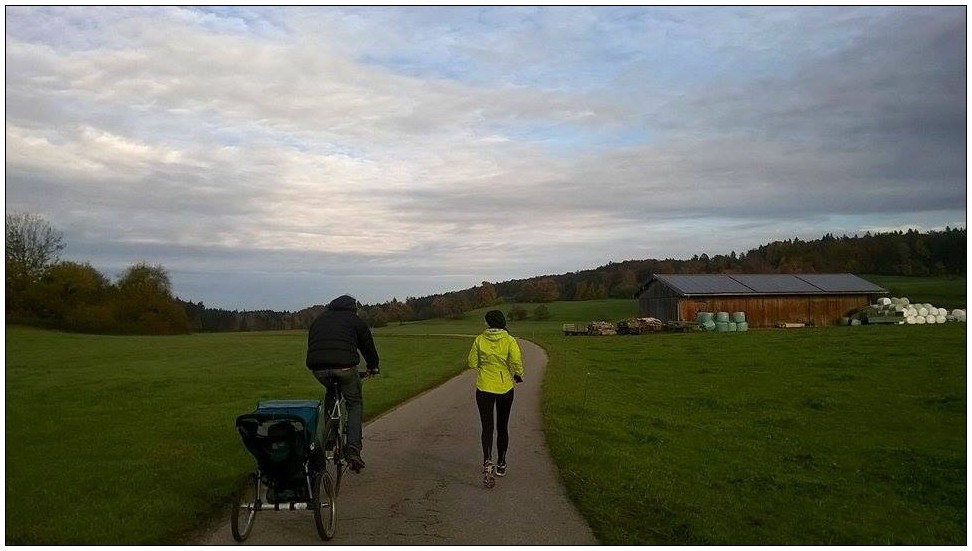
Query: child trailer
x=291 y=474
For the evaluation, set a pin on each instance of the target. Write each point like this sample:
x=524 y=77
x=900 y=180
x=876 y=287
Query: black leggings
x=503 y=403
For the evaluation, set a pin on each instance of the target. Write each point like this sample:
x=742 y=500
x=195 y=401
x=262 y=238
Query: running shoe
x=501 y=469
x=488 y=479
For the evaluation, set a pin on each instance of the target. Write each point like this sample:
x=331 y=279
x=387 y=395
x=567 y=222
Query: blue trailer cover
x=305 y=409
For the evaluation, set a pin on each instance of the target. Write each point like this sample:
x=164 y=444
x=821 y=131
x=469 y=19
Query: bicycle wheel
x=324 y=504
x=244 y=514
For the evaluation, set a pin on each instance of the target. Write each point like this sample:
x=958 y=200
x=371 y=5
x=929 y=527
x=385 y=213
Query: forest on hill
x=904 y=253
x=43 y=290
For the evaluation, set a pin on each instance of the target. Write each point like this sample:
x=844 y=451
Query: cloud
x=476 y=142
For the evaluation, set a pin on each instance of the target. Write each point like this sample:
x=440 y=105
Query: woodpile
x=639 y=326
x=601 y=328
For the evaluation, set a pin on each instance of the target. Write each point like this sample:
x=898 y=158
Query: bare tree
x=32 y=244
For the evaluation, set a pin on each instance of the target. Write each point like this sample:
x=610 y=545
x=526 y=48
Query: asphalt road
x=423 y=481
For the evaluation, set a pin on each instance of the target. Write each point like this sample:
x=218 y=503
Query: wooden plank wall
x=768 y=311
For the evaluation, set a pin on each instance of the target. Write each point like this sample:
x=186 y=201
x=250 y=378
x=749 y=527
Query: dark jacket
x=336 y=336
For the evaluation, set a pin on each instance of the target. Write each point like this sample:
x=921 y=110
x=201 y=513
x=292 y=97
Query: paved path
x=423 y=482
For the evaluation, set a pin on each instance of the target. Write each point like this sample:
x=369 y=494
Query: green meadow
x=942 y=292
x=131 y=440
x=839 y=435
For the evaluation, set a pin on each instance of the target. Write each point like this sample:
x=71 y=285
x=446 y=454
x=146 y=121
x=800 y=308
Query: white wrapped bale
x=920 y=320
x=959 y=315
x=722 y=317
x=738 y=316
x=939 y=319
x=942 y=312
x=931 y=319
x=922 y=311
x=884 y=301
x=910 y=320
x=742 y=326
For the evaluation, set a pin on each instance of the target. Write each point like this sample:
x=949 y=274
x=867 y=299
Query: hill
x=906 y=254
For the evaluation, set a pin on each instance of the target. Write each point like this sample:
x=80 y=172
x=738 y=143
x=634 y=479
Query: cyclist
x=497 y=357
x=333 y=342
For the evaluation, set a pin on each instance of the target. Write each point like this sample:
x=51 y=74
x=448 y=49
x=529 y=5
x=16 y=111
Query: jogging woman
x=497 y=357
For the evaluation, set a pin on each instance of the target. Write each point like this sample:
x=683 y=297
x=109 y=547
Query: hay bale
x=722 y=317
x=738 y=316
x=742 y=326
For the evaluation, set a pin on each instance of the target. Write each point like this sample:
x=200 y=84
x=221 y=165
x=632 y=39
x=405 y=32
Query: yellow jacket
x=497 y=356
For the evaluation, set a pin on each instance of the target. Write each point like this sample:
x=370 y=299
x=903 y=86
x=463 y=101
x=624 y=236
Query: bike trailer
x=279 y=434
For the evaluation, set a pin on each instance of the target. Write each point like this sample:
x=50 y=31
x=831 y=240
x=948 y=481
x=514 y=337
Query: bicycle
x=335 y=448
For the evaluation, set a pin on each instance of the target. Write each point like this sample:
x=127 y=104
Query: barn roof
x=764 y=284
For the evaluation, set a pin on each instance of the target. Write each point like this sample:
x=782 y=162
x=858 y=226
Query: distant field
x=947 y=293
x=131 y=440
x=473 y=323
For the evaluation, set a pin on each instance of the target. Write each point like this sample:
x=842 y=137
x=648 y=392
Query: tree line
x=42 y=290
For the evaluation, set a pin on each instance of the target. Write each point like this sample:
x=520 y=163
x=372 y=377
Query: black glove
x=517 y=378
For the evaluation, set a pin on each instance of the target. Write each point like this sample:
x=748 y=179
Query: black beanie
x=496 y=319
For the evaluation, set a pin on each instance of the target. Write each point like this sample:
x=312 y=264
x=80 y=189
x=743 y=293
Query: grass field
x=827 y=436
x=942 y=292
x=131 y=440
x=851 y=435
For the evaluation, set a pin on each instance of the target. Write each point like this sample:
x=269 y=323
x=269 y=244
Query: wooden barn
x=767 y=299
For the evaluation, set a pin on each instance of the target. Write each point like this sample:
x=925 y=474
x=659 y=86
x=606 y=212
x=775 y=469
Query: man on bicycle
x=333 y=342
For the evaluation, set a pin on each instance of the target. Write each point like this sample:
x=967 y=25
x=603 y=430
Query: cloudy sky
x=278 y=157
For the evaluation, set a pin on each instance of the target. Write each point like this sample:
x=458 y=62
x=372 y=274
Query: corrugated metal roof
x=765 y=284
